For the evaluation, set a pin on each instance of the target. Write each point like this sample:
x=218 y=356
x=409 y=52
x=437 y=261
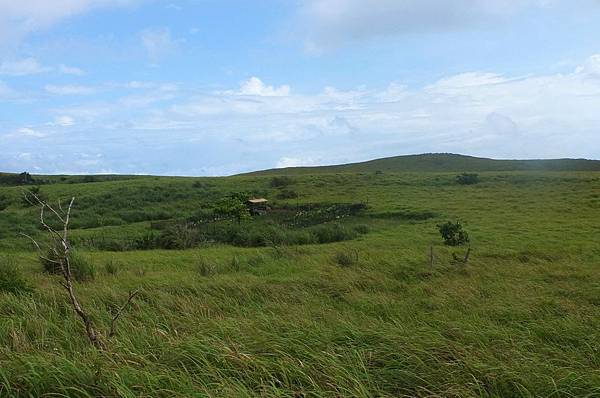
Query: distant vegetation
x=467 y=179
x=344 y=288
x=442 y=162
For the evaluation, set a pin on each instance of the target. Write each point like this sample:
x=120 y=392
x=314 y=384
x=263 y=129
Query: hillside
x=443 y=162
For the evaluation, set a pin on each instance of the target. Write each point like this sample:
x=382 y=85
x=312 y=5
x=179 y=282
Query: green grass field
x=520 y=319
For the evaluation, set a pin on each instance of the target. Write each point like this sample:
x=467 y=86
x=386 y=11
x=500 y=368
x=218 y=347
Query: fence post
x=431 y=258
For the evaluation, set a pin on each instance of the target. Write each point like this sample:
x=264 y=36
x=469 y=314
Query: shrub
x=346 y=258
x=467 y=179
x=180 y=236
x=4 y=201
x=287 y=194
x=50 y=263
x=453 y=234
x=82 y=269
x=11 y=278
x=281 y=181
x=333 y=233
x=362 y=229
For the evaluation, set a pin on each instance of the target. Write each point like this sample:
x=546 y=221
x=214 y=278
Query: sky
x=218 y=87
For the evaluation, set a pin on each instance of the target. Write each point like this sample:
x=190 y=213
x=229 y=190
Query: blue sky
x=208 y=87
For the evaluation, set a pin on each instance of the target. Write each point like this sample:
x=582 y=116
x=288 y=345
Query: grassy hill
x=330 y=295
x=443 y=162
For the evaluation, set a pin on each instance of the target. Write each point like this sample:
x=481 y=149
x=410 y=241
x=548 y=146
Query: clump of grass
x=206 y=268
x=11 y=278
x=346 y=258
x=235 y=264
x=111 y=267
x=82 y=269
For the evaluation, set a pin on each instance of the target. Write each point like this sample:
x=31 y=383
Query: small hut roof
x=257 y=201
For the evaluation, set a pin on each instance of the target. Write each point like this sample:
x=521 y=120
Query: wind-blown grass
x=520 y=319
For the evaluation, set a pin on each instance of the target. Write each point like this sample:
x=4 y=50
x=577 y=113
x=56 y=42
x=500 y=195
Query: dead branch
x=113 y=324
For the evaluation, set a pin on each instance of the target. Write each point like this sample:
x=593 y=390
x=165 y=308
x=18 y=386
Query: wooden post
x=431 y=259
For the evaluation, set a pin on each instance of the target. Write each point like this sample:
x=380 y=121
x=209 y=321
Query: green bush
x=346 y=258
x=467 y=179
x=281 y=181
x=4 y=201
x=11 y=278
x=82 y=269
x=51 y=263
x=329 y=233
x=453 y=234
x=287 y=194
x=362 y=229
x=180 y=236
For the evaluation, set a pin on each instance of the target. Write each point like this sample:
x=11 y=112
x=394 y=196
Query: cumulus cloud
x=255 y=86
x=333 y=22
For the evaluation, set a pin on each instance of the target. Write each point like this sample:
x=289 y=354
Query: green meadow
x=331 y=294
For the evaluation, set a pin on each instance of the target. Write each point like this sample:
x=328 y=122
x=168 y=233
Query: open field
x=346 y=306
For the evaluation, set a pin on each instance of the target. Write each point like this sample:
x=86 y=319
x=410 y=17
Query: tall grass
x=519 y=320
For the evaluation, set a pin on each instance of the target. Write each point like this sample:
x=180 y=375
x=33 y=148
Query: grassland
x=521 y=319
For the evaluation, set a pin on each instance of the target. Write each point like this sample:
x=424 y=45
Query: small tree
x=233 y=207
x=453 y=234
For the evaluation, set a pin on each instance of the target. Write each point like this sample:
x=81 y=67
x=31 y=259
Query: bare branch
x=113 y=324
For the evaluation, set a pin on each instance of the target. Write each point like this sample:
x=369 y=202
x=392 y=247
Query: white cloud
x=29 y=132
x=22 y=67
x=70 y=70
x=69 y=90
x=18 y=18
x=254 y=86
x=295 y=162
x=158 y=43
x=478 y=113
x=591 y=67
x=64 y=121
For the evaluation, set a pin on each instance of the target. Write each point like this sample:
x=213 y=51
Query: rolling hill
x=441 y=162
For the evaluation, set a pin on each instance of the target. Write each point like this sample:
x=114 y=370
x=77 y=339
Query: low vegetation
x=331 y=293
